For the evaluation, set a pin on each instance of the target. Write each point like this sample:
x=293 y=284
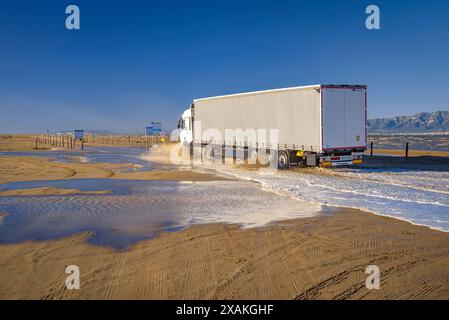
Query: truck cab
x=185 y=126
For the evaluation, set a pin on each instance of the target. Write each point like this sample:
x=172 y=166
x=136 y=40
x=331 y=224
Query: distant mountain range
x=419 y=123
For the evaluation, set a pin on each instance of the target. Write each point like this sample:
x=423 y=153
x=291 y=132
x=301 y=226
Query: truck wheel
x=283 y=160
x=252 y=158
x=196 y=152
x=264 y=158
x=208 y=154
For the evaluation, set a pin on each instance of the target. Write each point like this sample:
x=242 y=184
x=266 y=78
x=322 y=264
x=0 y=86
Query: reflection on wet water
x=139 y=209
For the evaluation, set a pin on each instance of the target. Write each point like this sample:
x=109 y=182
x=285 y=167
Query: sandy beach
x=224 y=157
x=20 y=143
x=317 y=258
x=323 y=257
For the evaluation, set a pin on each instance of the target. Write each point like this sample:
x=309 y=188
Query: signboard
x=154 y=129
x=157 y=128
x=78 y=134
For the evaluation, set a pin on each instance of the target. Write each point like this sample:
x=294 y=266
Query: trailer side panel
x=296 y=114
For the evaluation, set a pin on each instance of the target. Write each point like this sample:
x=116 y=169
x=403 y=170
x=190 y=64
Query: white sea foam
x=84 y=159
x=420 y=197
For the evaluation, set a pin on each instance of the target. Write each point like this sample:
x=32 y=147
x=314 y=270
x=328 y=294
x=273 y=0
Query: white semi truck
x=313 y=125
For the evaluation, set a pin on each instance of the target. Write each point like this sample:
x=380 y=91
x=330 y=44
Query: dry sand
x=313 y=258
x=20 y=143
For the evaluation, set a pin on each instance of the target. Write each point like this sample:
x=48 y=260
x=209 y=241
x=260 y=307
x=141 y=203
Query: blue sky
x=133 y=62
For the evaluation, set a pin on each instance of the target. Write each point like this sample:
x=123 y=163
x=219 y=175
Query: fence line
x=68 y=142
x=406 y=152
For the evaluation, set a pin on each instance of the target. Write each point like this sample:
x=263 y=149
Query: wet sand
x=46 y=191
x=2 y=216
x=14 y=169
x=35 y=168
x=411 y=153
x=428 y=163
x=311 y=258
x=169 y=175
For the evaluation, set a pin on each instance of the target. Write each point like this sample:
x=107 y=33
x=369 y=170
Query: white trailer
x=314 y=125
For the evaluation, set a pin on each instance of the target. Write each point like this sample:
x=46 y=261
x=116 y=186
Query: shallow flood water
x=139 y=209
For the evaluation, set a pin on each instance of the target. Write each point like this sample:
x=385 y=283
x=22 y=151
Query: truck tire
x=283 y=160
x=208 y=154
x=252 y=156
x=264 y=158
x=196 y=152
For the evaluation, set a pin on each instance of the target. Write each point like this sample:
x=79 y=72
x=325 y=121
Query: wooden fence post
x=234 y=152
x=223 y=153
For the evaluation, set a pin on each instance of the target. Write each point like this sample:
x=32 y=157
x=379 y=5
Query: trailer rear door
x=343 y=117
x=355 y=118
